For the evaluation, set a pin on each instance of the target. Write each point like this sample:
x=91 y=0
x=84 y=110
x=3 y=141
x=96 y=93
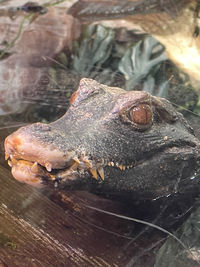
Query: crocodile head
x=109 y=141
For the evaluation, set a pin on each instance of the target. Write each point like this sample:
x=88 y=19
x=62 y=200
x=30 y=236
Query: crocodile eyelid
x=164 y=109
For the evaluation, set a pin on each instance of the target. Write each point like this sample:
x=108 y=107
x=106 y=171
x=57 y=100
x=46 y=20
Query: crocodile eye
x=141 y=114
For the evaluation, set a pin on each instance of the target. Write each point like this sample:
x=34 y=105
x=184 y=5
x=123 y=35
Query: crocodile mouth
x=37 y=163
x=37 y=175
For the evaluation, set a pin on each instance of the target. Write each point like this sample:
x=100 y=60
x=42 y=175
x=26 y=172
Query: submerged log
x=33 y=226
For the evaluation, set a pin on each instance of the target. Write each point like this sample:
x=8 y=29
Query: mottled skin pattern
x=109 y=141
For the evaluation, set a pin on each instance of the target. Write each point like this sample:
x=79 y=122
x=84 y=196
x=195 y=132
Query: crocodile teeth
x=48 y=166
x=74 y=166
x=87 y=163
x=10 y=163
x=14 y=161
x=101 y=173
x=121 y=167
x=52 y=177
x=93 y=171
x=34 y=167
x=76 y=160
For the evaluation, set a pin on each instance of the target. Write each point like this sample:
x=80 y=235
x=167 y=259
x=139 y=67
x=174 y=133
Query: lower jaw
x=36 y=175
x=29 y=172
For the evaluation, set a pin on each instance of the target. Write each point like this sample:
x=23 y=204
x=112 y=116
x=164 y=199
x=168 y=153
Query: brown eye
x=141 y=114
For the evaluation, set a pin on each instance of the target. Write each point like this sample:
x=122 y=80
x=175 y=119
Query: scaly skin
x=129 y=142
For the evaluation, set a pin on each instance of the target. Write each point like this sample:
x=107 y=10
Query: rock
x=32 y=43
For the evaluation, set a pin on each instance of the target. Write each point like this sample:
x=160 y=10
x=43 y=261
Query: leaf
x=139 y=60
x=93 y=51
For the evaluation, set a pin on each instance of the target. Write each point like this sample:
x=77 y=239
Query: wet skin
x=109 y=141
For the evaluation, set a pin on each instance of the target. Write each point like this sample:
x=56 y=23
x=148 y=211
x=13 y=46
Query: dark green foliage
x=139 y=60
x=92 y=52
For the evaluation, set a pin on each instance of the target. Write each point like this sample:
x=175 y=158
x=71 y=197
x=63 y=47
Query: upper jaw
x=34 y=162
x=21 y=145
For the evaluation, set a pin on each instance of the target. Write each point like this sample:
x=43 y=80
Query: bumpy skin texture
x=130 y=142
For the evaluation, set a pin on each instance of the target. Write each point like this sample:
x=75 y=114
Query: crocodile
x=109 y=141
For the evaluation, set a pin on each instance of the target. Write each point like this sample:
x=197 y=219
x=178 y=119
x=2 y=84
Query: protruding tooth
x=93 y=171
x=14 y=161
x=112 y=163
x=124 y=168
x=34 y=167
x=87 y=163
x=10 y=163
x=74 y=166
x=121 y=167
x=109 y=164
x=117 y=164
x=48 y=166
x=101 y=173
x=52 y=177
x=56 y=184
x=76 y=160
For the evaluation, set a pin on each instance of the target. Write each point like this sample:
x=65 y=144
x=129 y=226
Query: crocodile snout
x=29 y=156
